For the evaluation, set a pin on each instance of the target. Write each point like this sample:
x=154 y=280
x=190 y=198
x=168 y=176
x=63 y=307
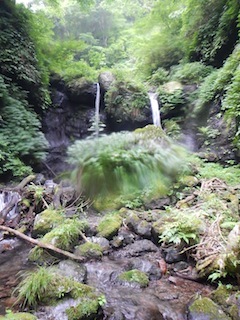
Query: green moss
x=18 y=316
x=64 y=236
x=206 y=308
x=221 y=295
x=47 y=220
x=90 y=250
x=135 y=276
x=87 y=309
x=45 y=286
x=109 y=226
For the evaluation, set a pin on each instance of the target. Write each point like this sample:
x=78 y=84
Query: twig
x=41 y=244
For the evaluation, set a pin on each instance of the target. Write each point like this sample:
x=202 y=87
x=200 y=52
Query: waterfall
x=155 y=109
x=97 y=106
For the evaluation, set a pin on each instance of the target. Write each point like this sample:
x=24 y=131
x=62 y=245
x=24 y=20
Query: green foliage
x=135 y=276
x=172 y=128
x=181 y=229
x=171 y=100
x=158 y=77
x=22 y=143
x=230 y=175
x=190 y=73
x=125 y=163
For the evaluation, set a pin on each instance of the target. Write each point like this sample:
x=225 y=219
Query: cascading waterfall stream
x=155 y=109
x=97 y=107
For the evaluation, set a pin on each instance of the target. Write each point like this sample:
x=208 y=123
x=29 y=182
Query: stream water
x=165 y=298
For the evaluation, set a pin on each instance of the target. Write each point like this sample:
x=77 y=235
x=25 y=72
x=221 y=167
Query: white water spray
x=155 y=109
x=97 y=106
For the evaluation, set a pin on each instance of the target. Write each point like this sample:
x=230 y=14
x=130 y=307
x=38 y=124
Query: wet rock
x=81 y=91
x=89 y=250
x=103 y=242
x=71 y=269
x=172 y=255
x=151 y=269
x=106 y=79
x=140 y=227
x=138 y=248
x=160 y=203
x=206 y=309
x=124 y=237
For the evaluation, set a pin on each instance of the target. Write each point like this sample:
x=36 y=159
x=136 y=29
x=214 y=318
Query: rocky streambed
x=127 y=271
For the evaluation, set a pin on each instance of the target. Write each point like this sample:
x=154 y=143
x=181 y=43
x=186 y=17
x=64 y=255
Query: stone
x=106 y=79
x=74 y=270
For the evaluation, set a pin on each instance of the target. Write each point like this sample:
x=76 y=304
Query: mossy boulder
x=135 y=277
x=18 y=316
x=81 y=91
x=205 y=308
x=65 y=236
x=46 y=221
x=88 y=309
x=127 y=106
x=89 y=250
x=109 y=226
x=45 y=286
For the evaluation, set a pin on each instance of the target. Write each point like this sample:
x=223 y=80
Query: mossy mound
x=46 y=287
x=88 y=309
x=18 y=316
x=64 y=236
x=47 y=220
x=89 y=250
x=135 y=276
x=205 y=308
x=109 y=226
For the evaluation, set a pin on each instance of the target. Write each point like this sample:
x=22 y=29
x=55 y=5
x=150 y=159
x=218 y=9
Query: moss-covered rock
x=64 y=236
x=87 y=310
x=46 y=221
x=18 y=316
x=89 y=250
x=45 y=286
x=127 y=106
x=205 y=308
x=81 y=90
x=109 y=226
x=136 y=277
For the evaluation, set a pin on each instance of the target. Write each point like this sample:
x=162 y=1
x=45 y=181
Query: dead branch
x=41 y=244
x=24 y=182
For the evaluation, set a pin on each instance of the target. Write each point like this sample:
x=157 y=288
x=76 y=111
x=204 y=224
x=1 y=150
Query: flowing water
x=155 y=109
x=97 y=106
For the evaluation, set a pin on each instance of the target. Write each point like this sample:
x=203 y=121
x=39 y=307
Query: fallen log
x=41 y=244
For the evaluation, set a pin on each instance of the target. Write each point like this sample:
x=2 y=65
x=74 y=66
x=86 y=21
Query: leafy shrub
x=190 y=73
x=171 y=101
x=158 y=77
x=124 y=163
